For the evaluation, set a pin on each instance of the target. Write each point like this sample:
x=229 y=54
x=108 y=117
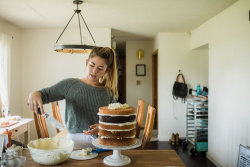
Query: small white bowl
x=50 y=151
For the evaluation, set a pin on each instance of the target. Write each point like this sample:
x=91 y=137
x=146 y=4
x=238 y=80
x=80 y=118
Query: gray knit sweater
x=82 y=102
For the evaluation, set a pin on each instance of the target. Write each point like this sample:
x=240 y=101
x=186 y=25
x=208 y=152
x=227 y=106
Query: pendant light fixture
x=75 y=48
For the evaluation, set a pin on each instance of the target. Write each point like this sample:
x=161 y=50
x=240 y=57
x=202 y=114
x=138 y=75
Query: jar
x=14 y=148
x=11 y=159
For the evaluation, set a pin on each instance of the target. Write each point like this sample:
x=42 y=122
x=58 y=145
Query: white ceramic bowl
x=50 y=151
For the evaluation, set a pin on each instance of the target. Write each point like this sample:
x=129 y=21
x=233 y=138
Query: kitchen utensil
x=98 y=150
x=52 y=120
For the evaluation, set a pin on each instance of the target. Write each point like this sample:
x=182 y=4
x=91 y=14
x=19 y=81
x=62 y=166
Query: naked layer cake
x=117 y=125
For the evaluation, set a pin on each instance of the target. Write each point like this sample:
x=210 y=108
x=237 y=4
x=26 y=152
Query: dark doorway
x=155 y=85
x=121 y=65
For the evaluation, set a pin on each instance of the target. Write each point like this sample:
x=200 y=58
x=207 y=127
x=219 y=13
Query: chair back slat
x=56 y=113
x=139 y=116
x=41 y=128
x=148 y=127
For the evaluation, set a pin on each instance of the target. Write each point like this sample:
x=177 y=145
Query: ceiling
x=129 y=19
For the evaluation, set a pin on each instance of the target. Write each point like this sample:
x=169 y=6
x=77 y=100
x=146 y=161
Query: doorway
x=121 y=67
x=155 y=85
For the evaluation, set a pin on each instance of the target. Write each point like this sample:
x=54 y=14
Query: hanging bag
x=180 y=89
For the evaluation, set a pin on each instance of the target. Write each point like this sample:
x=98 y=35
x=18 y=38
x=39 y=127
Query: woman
x=83 y=96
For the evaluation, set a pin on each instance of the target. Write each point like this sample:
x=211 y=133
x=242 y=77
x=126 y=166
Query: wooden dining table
x=139 y=158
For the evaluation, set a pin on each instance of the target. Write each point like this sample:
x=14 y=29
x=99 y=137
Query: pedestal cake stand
x=117 y=159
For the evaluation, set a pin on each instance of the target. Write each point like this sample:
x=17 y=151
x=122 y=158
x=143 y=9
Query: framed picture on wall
x=140 y=70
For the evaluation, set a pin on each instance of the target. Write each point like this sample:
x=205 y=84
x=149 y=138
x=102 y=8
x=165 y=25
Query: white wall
x=174 y=54
x=197 y=72
x=228 y=36
x=15 y=67
x=144 y=89
x=42 y=66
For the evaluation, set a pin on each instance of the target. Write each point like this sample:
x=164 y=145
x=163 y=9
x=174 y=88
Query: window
x=5 y=44
x=1 y=105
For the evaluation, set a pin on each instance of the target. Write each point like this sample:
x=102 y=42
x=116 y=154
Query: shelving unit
x=197 y=124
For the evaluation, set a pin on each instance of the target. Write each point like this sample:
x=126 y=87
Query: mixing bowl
x=50 y=151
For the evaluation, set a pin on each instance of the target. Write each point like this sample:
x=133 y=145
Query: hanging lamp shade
x=75 y=48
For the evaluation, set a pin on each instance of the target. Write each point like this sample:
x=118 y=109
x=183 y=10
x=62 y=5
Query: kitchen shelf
x=197 y=124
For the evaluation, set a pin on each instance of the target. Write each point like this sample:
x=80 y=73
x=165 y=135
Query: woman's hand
x=35 y=102
x=94 y=130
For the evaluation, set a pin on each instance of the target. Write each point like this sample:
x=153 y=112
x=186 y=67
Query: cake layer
x=122 y=111
x=117 y=119
x=117 y=134
x=118 y=124
x=118 y=127
x=116 y=142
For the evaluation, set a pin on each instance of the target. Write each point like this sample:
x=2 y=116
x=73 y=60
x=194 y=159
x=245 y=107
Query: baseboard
x=213 y=160
x=167 y=138
x=163 y=138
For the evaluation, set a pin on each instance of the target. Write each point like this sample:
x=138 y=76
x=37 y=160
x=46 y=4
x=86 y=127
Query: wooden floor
x=188 y=159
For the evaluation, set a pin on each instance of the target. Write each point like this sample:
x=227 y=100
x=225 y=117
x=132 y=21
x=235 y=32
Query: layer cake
x=117 y=125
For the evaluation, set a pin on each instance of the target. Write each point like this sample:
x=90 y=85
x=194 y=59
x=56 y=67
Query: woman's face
x=97 y=67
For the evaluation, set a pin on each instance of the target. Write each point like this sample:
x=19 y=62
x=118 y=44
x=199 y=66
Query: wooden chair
x=148 y=127
x=139 y=116
x=56 y=113
x=41 y=127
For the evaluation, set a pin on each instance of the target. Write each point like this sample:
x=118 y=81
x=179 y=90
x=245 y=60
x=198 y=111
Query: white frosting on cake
x=113 y=115
x=114 y=106
x=116 y=129
x=105 y=137
x=118 y=124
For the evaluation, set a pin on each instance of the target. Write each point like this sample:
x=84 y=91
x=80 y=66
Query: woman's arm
x=35 y=102
x=54 y=93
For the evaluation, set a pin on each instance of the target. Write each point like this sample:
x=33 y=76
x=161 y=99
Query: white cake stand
x=117 y=159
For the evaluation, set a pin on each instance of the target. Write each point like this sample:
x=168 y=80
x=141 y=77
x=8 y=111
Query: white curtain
x=5 y=45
